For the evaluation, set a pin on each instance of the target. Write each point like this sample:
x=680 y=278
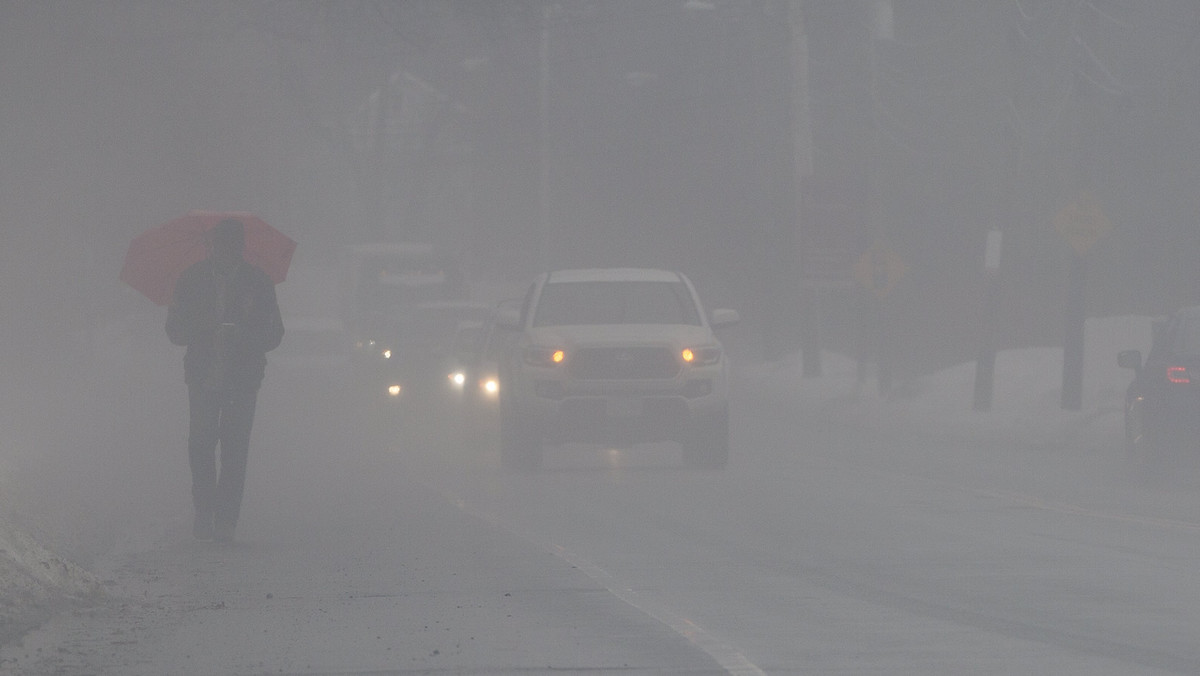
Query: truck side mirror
x=724 y=317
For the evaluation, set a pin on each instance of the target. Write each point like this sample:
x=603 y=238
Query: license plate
x=624 y=407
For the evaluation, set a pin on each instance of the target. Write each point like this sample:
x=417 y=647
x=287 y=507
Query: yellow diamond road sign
x=1082 y=222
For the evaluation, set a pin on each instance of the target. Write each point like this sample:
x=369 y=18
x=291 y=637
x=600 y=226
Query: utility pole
x=802 y=163
x=380 y=147
x=882 y=29
x=543 y=236
x=985 y=362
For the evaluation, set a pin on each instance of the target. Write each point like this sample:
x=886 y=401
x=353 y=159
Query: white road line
x=729 y=657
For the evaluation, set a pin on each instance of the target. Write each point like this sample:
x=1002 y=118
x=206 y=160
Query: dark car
x=469 y=375
x=416 y=357
x=411 y=375
x=1162 y=404
x=481 y=389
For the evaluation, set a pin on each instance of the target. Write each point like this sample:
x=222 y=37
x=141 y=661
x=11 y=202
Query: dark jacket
x=250 y=306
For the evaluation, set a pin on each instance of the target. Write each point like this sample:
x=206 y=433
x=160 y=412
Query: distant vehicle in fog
x=1162 y=404
x=479 y=349
x=413 y=362
x=377 y=281
x=616 y=356
x=466 y=349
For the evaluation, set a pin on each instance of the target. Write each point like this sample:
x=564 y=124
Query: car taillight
x=1178 y=375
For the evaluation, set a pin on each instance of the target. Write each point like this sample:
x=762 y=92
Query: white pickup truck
x=615 y=356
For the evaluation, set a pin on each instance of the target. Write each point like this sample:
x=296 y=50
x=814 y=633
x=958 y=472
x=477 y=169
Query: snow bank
x=1026 y=396
x=34 y=582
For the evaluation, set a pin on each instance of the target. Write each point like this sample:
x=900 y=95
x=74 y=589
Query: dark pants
x=225 y=417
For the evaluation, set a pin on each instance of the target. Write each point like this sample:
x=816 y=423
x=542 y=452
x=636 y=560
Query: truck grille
x=623 y=363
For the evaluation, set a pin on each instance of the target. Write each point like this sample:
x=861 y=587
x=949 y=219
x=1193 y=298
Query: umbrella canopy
x=156 y=258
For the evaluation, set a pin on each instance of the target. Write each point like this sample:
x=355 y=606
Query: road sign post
x=1081 y=223
x=1076 y=315
x=878 y=270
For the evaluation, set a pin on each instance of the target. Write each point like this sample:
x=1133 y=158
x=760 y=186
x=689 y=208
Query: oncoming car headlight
x=489 y=387
x=393 y=390
x=700 y=356
x=544 y=356
x=457 y=379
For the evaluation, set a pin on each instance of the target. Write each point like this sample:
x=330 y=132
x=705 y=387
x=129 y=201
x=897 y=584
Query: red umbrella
x=156 y=258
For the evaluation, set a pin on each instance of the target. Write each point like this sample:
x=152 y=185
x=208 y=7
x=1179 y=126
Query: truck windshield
x=615 y=302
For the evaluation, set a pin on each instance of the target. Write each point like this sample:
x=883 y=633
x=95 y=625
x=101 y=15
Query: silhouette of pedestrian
x=225 y=311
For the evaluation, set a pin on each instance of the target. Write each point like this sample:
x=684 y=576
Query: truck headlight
x=700 y=356
x=544 y=356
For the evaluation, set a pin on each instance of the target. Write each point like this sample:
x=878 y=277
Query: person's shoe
x=202 y=527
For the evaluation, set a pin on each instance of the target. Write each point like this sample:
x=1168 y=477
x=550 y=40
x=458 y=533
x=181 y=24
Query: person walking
x=225 y=312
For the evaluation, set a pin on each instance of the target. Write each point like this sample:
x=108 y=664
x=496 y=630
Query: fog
x=760 y=146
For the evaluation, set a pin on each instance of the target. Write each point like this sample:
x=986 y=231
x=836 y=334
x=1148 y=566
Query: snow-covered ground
x=1027 y=393
x=1026 y=402
x=35 y=582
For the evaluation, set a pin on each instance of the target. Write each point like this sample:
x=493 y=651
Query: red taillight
x=1178 y=374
